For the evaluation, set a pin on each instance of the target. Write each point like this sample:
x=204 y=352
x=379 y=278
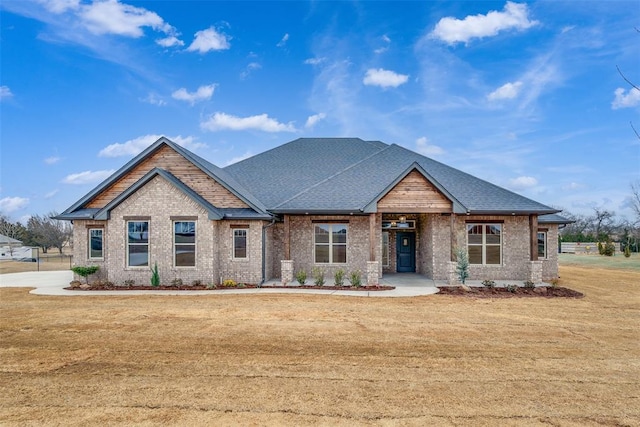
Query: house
x=329 y=203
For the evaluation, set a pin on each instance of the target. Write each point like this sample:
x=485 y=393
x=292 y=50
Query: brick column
x=373 y=269
x=452 y=275
x=535 y=271
x=286 y=266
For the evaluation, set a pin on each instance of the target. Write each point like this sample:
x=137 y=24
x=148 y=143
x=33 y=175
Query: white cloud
x=137 y=145
x=170 y=41
x=239 y=158
x=209 y=39
x=625 y=100
x=315 y=61
x=387 y=41
x=572 y=186
x=513 y=16
x=60 y=6
x=262 y=122
x=113 y=17
x=88 y=177
x=5 y=92
x=523 y=182
x=283 y=41
x=423 y=147
x=52 y=160
x=202 y=94
x=384 y=78
x=506 y=91
x=154 y=99
x=252 y=66
x=51 y=193
x=12 y=204
x=312 y=120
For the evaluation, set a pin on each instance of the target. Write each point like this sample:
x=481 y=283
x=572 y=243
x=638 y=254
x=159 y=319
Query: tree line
x=40 y=231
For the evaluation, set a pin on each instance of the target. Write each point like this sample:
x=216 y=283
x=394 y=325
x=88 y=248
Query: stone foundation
x=286 y=266
x=373 y=273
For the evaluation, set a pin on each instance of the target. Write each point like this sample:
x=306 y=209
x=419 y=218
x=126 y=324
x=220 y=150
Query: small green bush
x=318 y=276
x=85 y=271
x=155 y=276
x=338 y=277
x=196 y=282
x=600 y=248
x=529 y=284
x=627 y=251
x=211 y=286
x=489 y=283
x=356 y=278
x=512 y=288
x=301 y=276
x=176 y=282
x=609 y=249
x=129 y=282
x=229 y=283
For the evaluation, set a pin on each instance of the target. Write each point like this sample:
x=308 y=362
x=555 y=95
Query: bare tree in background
x=48 y=232
x=12 y=230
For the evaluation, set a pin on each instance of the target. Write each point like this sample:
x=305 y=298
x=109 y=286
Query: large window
x=385 y=248
x=330 y=242
x=137 y=243
x=184 y=243
x=484 y=243
x=542 y=245
x=239 y=243
x=95 y=243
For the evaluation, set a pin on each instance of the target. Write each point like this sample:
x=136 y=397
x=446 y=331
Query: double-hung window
x=184 y=243
x=240 y=243
x=484 y=244
x=330 y=241
x=542 y=245
x=95 y=243
x=137 y=243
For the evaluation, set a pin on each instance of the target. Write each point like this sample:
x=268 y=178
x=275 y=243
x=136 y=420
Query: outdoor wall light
x=402 y=219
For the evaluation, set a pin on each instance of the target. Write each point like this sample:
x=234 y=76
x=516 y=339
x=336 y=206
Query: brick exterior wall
x=550 y=264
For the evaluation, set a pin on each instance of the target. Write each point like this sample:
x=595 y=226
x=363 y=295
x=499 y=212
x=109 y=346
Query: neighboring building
x=331 y=203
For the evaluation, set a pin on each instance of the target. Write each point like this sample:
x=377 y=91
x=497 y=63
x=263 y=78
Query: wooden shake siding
x=414 y=194
x=168 y=159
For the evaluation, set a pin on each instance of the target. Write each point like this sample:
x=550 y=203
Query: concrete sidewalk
x=54 y=282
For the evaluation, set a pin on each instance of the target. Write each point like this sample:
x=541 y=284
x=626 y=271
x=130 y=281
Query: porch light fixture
x=402 y=219
x=393 y=224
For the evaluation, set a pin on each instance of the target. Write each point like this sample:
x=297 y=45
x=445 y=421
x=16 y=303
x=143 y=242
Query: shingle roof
x=348 y=174
x=554 y=219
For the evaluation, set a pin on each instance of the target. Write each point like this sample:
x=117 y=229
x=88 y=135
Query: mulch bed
x=104 y=287
x=485 y=292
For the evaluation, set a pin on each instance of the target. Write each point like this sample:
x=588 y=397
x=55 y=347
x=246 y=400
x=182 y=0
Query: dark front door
x=405 y=252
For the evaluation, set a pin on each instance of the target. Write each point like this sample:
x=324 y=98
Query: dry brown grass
x=324 y=360
x=48 y=262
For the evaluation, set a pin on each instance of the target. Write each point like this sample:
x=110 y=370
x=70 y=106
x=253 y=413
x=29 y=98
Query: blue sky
x=524 y=95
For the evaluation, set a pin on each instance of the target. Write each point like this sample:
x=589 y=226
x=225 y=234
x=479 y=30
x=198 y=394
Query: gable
x=414 y=193
x=170 y=160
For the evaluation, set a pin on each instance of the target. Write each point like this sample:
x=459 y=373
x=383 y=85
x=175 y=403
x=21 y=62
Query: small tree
x=85 y=271
x=462 y=266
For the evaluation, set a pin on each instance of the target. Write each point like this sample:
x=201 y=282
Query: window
x=385 y=248
x=330 y=243
x=184 y=243
x=240 y=243
x=137 y=243
x=484 y=243
x=95 y=243
x=542 y=244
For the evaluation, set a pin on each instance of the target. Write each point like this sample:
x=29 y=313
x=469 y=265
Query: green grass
x=618 y=261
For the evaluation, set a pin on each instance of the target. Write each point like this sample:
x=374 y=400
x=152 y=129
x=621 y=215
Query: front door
x=405 y=252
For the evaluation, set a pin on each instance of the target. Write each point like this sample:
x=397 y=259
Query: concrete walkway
x=54 y=282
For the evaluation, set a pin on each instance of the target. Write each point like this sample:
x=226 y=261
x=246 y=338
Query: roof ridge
x=333 y=176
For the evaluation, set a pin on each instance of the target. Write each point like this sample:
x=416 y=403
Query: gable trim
x=457 y=207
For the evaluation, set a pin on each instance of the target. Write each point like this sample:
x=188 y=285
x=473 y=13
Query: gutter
x=264 y=249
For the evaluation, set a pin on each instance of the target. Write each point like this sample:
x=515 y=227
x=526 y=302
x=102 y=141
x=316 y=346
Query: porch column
x=287 y=244
x=533 y=240
x=452 y=231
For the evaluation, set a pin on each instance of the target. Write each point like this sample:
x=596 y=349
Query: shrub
x=229 y=283
x=176 y=282
x=512 y=288
x=301 y=276
x=242 y=285
x=356 y=278
x=129 y=282
x=489 y=283
x=318 y=276
x=211 y=286
x=600 y=248
x=609 y=249
x=627 y=251
x=85 y=271
x=196 y=282
x=462 y=267
x=155 y=276
x=529 y=284
x=555 y=283
x=338 y=277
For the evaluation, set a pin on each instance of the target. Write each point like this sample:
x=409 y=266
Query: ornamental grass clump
x=338 y=277
x=301 y=276
x=318 y=276
x=356 y=278
x=155 y=276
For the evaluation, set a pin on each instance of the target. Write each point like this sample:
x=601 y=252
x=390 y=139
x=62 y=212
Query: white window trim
x=484 y=244
x=100 y=258
x=546 y=245
x=330 y=244
x=233 y=244
x=194 y=244
x=127 y=244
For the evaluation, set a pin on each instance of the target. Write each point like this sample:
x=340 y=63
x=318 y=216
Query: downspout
x=264 y=249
